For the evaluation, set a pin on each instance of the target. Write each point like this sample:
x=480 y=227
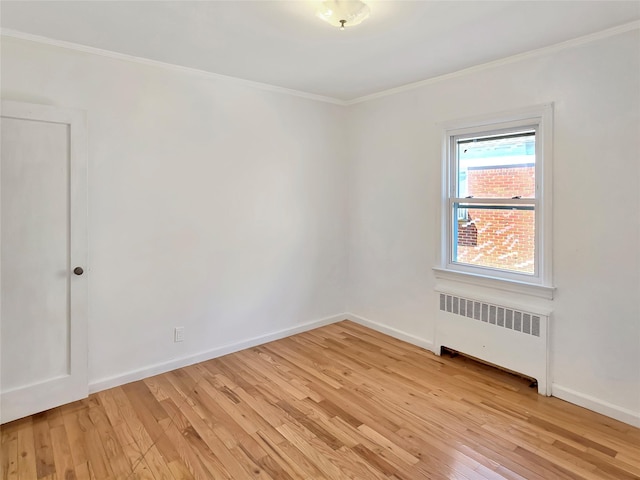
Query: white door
x=43 y=310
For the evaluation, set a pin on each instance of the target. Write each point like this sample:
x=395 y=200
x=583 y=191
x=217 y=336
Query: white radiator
x=508 y=337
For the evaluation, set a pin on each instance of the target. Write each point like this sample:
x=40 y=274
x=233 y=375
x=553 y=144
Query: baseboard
x=600 y=406
x=392 y=332
x=158 y=368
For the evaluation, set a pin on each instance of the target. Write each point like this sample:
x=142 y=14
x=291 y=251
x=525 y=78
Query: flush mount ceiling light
x=345 y=13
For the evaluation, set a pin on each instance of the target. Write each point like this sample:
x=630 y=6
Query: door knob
x=78 y=271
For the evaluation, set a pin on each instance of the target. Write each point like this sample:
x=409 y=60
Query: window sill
x=511 y=286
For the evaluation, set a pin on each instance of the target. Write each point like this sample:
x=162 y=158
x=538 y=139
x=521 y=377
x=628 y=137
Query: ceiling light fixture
x=345 y=13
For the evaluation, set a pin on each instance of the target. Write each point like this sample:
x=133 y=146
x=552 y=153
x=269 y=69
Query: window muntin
x=493 y=209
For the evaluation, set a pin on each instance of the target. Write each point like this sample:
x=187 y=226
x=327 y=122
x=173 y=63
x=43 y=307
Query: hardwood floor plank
x=111 y=445
x=189 y=457
x=26 y=455
x=97 y=457
x=45 y=464
x=83 y=471
x=145 y=416
x=341 y=401
x=10 y=465
x=288 y=458
x=304 y=444
x=375 y=461
x=75 y=433
x=180 y=471
x=62 y=453
x=142 y=462
x=216 y=457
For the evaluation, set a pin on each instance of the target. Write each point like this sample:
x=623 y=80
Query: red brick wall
x=504 y=238
x=505 y=182
x=467 y=234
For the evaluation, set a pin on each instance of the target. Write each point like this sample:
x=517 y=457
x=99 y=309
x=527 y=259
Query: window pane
x=496 y=236
x=498 y=166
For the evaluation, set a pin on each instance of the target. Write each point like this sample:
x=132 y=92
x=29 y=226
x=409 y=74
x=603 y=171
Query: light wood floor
x=338 y=402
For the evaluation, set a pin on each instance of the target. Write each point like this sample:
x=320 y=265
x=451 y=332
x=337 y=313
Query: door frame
x=29 y=399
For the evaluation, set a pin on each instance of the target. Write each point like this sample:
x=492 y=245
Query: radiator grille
x=500 y=316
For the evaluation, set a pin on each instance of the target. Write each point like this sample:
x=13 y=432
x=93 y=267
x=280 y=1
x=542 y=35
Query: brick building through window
x=498 y=238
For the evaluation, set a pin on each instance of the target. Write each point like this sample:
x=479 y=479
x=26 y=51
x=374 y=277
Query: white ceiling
x=282 y=43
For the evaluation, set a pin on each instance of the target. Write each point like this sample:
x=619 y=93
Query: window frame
x=538 y=118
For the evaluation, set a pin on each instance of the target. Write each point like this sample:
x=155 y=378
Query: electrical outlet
x=178 y=334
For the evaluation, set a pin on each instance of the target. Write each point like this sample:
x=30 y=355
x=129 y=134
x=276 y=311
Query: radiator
x=505 y=336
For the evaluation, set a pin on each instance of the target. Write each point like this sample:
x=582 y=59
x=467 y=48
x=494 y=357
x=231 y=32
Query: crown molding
x=592 y=37
x=167 y=66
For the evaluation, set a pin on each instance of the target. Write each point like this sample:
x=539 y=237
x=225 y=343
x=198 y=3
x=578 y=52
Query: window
x=496 y=200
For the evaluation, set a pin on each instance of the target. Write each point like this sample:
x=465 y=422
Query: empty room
x=282 y=240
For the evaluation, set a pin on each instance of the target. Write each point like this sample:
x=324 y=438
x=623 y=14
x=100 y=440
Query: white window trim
x=539 y=285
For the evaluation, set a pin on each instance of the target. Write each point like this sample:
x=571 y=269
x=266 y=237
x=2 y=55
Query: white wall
x=213 y=206
x=395 y=193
